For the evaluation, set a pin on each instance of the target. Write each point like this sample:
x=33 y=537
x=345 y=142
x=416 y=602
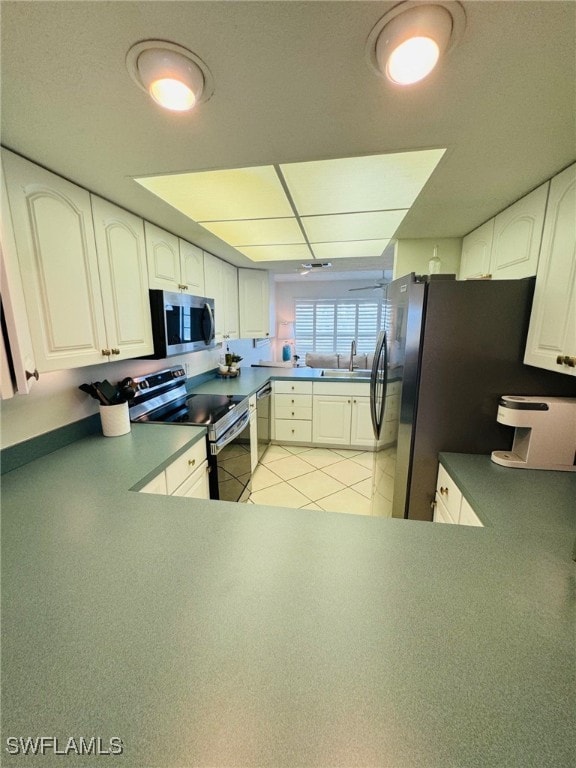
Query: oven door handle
x=230 y=434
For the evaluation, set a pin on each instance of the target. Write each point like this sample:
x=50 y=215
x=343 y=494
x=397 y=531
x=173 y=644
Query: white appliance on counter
x=545 y=432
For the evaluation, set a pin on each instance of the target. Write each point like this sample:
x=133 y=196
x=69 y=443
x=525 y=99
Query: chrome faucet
x=352 y=353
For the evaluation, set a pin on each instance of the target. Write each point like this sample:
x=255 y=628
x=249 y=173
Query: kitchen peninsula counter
x=206 y=633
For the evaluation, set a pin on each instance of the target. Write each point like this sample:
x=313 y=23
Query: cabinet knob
x=106 y=352
x=559 y=360
x=570 y=361
x=32 y=374
x=115 y=351
x=292 y=413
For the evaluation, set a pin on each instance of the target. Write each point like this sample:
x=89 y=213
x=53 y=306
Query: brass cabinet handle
x=182 y=287
x=115 y=351
x=32 y=374
x=292 y=413
x=443 y=491
x=570 y=361
x=191 y=462
x=106 y=352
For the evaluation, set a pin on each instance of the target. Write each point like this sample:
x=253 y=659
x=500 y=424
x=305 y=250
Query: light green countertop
x=215 y=634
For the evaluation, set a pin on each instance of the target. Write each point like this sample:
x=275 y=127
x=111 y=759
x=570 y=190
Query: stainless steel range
x=162 y=397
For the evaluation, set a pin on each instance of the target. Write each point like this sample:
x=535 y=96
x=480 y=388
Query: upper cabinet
x=121 y=250
x=173 y=263
x=221 y=283
x=551 y=340
x=83 y=272
x=192 y=269
x=507 y=247
x=254 y=303
x=17 y=353
x=476 y=249
x=52 y=221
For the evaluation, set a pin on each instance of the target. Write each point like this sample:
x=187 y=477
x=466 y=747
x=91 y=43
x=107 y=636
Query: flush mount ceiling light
x=174 y=77
x=408 y=41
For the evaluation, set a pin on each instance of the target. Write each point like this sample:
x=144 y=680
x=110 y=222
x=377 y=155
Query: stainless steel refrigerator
x=449 y=350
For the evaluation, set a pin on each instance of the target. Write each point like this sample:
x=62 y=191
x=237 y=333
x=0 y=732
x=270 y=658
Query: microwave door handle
x=228 y=436
x=210 y=335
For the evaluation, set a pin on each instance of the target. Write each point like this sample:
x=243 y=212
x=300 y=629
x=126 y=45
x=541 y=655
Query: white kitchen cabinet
x=221 y=282
x=173 y=264
x=254 y=303
x=191 y=269
x=507 y=247
x=551 y=339
x=54 y=234
x=332 y=417
x=341 y=415
x=121 y=250
x=186 y=476
x=450 y=504
x=292 y=412
x=517 y=237
x=476 y=250
x=18 y=361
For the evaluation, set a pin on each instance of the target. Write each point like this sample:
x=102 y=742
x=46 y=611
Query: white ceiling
x=292 y=84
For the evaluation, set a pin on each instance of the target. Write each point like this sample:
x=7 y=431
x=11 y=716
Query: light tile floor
x=334 y=480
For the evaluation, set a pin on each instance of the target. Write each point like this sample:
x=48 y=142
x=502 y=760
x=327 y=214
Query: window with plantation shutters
x=330 y=325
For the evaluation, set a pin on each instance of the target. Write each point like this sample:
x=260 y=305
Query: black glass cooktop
x=199 y=410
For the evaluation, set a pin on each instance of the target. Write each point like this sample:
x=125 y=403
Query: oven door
x=229 y=457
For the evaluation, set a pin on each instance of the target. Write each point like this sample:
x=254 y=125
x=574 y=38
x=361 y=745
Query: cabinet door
x=331 y=419
x=196 y=487
x=18 y=375
x=552 y=334
x=232 y=325
x=121 y=252
x=54 y=235
x=361 y=431
x=163 y=255
x=254 y=302
x=192 y=269
x=214 y=284
x=476 y=250
x=517 y=237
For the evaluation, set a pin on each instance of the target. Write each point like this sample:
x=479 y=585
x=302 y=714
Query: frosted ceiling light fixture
x=174 y=77
x=408 y=41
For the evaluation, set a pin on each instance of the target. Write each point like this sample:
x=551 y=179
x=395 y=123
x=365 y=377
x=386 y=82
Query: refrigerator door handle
x=379 y=384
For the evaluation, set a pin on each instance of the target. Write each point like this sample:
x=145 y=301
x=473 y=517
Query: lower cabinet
x=450 y=505
x=292 y=411
x=341 y=414
x=186 y=476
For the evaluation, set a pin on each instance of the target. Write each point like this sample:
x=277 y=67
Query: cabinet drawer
x=467 y=514
x=185 y=465
x=294 y=412
x=156 y=485
x=196 y=486
x=440 y=512
x=293 y=431
x=449 y=493
x=289 y=401
x=293 y=387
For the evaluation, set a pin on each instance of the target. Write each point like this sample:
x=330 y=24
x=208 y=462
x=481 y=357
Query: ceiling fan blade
x=368 y=287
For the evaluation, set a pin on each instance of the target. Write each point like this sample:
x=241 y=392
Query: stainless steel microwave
x=181 y=323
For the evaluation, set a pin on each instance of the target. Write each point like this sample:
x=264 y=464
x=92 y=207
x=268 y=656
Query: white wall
x=55 y=399
x=414 y=255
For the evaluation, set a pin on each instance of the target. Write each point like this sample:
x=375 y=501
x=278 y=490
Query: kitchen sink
x=344 y=373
